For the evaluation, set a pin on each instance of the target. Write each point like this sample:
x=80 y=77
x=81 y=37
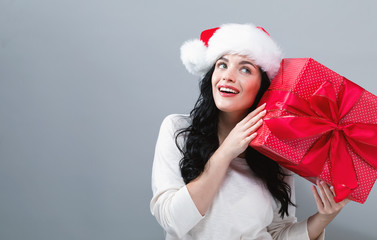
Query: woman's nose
x=229 y=75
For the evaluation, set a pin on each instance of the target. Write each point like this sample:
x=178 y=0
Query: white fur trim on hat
x=242 y=39
x=193 y=56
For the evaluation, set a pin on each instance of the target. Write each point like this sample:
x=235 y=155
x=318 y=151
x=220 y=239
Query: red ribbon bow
x=322 y=116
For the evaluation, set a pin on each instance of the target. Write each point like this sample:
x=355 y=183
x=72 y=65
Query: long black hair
x=201 y=141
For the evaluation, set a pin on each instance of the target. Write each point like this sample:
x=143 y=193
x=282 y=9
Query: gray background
x=84 y=86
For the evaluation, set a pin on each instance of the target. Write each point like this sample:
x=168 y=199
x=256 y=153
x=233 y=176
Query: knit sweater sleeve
x=288 y=227
x=171 y=203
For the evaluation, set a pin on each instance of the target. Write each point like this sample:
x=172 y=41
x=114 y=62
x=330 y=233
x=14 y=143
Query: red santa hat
x=199 y=55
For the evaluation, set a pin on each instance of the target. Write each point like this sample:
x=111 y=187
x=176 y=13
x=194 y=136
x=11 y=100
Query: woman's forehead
x=235 y=56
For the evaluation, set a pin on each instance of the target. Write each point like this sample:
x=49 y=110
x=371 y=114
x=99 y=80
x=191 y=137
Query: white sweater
x=242 y=209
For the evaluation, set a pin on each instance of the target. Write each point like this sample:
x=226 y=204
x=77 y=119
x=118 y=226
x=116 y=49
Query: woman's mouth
x=228 y=91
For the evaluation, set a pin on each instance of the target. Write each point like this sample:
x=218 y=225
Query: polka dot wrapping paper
x=321 y=126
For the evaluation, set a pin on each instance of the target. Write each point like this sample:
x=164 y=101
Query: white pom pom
x=193 y=55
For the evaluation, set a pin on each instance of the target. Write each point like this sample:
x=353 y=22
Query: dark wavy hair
x=201 y=141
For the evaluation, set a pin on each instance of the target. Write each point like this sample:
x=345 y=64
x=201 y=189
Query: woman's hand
x=204 y=188
x=327 y=209
x=243 y=133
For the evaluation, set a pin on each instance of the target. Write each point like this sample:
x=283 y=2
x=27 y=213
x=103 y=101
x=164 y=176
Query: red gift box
x=321 y=126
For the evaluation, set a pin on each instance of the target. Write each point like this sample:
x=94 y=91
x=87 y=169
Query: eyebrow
x=224 y=59
x=247 y=62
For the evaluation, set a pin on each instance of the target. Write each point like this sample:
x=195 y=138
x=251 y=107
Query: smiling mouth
x=228 y=90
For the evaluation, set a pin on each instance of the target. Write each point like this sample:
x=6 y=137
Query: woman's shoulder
x=176 y=121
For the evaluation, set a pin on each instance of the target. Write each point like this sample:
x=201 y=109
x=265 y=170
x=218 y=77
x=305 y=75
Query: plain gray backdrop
x=84 y=86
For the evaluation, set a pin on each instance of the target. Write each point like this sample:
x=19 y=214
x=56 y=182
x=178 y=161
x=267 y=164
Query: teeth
x=224 y=89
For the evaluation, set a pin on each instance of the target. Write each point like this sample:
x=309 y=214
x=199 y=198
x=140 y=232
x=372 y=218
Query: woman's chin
x=233 y=110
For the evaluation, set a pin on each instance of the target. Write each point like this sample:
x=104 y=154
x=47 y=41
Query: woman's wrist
x=225 y=154
x=325 y=218
x=316 y=225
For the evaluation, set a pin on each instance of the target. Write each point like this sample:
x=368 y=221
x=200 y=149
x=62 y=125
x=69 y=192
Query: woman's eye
x=245 y=70
x=221 y=65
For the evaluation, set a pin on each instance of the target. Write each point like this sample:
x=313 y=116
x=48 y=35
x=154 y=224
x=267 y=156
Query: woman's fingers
x=250 y=138
x=244 y=132
x=330 y=195
x=254 y=120
x=254 y=127
x=318 y=199
x=345 y=201
x=325 y=191
x=325 y=200
x=254 y=113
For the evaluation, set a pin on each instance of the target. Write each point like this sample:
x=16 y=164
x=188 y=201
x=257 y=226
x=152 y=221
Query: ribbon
x=321 y=116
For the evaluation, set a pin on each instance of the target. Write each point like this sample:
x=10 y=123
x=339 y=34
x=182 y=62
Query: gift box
x=321 y=126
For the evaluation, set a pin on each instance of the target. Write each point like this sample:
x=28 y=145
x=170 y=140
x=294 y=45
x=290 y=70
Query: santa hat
x=199 y=56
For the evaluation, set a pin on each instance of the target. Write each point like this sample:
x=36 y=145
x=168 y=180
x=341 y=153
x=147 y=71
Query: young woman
x=207 y=182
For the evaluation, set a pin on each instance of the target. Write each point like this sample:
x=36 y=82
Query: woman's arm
x=205 y=187
x=327 y=209
x=171 y=203
x=174 y=206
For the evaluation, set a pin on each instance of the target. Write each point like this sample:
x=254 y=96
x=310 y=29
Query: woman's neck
x=227 y=121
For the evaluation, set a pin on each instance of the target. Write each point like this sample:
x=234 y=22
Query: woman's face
x=235 y=83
